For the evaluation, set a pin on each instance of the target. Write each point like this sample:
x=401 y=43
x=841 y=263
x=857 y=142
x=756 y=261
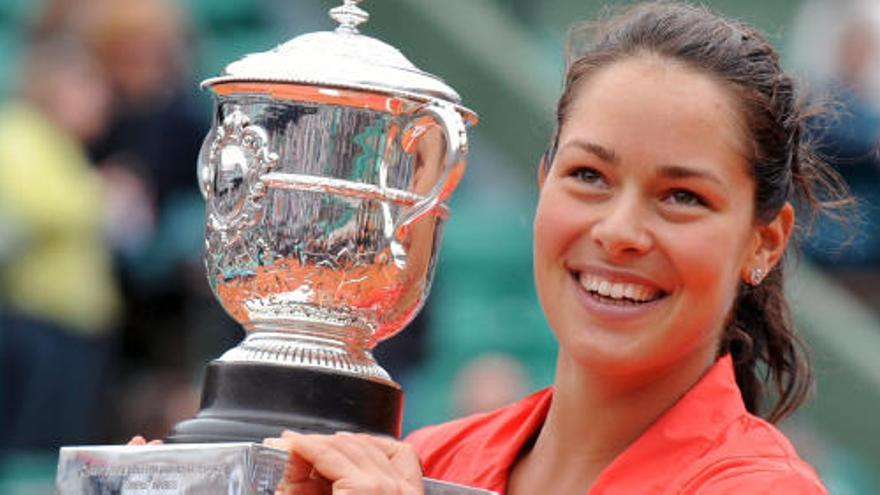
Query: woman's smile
x=615 y=295
x=622 y=292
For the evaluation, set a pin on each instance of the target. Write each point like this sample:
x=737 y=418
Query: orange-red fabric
x=706 y=444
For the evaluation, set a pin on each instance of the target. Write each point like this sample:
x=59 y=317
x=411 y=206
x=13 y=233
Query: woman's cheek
x=704 y=261
x=556 y=224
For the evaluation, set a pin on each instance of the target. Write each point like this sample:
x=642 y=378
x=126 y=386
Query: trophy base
x=194 y=469
x=247 y=402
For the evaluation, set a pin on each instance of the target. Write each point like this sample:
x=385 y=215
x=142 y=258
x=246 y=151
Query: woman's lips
x=632 y=292
x=616 y=297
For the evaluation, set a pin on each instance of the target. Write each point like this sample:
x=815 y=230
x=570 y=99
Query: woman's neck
x=592 y=419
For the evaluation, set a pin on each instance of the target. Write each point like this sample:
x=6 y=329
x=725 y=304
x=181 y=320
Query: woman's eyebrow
x=682 y=172
x=603 y=153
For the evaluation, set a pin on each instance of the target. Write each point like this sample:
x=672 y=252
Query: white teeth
x=614 y=290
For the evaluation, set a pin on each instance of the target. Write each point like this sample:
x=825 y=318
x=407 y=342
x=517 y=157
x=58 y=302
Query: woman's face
x=644 y=225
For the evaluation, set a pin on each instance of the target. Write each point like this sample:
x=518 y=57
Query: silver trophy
x=326 y=173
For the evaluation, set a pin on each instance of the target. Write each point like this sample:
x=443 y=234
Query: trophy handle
x=453 y=169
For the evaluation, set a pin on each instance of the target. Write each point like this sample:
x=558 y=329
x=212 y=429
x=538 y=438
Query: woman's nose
x=620 y=231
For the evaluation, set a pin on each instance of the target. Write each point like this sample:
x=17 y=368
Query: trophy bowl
x=325 y=172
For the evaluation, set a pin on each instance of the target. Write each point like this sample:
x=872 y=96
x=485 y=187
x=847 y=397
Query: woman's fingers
x=328 y=459
x=402 y=456
x=363 y=454
x=139 y=440
x=299 y=476
x=313 y=456
x=316 y=486
x=354 y=464
x=396 y=458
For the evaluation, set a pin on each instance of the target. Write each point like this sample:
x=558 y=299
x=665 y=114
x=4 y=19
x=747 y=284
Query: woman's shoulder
x=756 y=476
x=708 y=443
x=754 y=458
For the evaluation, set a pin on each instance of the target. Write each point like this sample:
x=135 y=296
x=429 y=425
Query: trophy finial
x=349 y=16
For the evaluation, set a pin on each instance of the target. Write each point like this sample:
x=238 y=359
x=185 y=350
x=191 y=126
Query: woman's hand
x=347 y=464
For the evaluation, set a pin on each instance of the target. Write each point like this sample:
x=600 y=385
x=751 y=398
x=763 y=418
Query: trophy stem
x=303 y=377
x=343 y=350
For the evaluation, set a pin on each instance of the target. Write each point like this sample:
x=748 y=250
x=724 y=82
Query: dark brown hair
x=760 y=334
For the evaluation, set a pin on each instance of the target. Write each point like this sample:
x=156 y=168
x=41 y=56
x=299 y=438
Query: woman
x=666 y=205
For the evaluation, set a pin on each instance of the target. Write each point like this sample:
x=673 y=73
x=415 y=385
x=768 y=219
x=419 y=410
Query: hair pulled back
x=760 y=334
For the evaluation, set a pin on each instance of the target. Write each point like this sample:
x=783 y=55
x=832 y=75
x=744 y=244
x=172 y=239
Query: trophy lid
x=342 y=58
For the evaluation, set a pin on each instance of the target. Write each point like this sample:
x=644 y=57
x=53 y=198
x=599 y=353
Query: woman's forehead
x=650 y=102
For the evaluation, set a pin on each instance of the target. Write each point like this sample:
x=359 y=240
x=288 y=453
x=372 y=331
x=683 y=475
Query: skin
x=347 y=464
x=650 y=184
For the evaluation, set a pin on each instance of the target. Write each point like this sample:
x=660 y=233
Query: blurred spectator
x=172 y=323
x=59 y=296
x=488 y=382
x=850 y=71
x=57 y=18
x=156 y=130
x=154 y=215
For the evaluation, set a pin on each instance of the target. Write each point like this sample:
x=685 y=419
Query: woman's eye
x=685 y=198
x=589 y=176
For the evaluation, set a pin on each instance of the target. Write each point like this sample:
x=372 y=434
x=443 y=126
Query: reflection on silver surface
x=437 y=487
x=187 y=469
x=323 y=222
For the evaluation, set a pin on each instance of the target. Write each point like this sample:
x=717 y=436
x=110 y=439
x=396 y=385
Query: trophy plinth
x=187 y=469
x=234 y=410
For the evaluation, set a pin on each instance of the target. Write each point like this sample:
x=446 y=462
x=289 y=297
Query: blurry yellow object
x=47 y=186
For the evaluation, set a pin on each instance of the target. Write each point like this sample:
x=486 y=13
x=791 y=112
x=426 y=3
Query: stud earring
x=756 y=276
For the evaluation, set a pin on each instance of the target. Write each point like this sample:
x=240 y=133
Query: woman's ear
x=542 y=172
x=769 y=245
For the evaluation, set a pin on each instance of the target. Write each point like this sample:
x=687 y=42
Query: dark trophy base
x=244 y=402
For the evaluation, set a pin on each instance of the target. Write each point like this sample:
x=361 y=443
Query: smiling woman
x=639 y=194
x=667 y=204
